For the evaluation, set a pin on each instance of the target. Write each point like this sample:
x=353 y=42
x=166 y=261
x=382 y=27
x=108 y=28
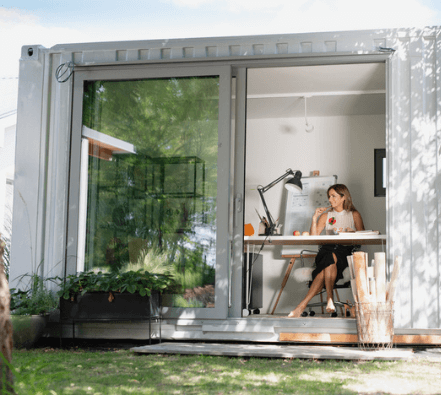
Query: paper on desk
x=361 y=232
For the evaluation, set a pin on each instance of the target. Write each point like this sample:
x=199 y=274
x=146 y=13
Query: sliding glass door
x=149 y=179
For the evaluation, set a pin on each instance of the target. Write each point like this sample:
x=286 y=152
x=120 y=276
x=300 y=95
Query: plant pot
x=95 y=306
x=27 y=329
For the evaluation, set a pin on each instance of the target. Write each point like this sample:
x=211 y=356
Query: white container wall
x=414 y=176
x=412 y=140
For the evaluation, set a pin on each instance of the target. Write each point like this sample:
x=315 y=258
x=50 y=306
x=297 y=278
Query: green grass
x=118 y=371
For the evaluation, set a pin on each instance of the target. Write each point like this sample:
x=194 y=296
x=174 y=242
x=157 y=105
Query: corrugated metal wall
x=414 y=137
x=413 y=140
x=414 y=176
x=227 y=47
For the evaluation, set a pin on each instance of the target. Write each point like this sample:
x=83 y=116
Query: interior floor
x=315 y=316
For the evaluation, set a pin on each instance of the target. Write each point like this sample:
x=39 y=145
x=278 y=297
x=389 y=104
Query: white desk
x=346 y=239
x=351 y=239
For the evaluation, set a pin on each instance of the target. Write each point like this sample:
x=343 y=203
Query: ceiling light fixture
x=309 y=128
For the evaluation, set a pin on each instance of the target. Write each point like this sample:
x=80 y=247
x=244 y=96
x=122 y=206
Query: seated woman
x=331 y=260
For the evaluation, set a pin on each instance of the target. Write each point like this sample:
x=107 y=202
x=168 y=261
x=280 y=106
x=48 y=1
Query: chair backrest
x=306 y=252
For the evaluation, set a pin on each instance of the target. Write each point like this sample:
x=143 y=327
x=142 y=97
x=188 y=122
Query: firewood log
x=380 y=276
x=393 y=281
x=360 y=276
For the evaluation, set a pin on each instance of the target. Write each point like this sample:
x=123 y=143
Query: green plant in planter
x=30 y=309
x=140 y=281
x=36 y=300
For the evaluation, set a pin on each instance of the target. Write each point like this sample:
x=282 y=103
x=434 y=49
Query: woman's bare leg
x=314 y=289
x=330 y=276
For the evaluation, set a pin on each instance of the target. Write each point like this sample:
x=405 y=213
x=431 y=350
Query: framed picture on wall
x=380 y=172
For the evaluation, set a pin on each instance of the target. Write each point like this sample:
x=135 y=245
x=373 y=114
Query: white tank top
x=339 y=222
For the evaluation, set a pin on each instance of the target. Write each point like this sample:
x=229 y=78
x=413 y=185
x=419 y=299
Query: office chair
x=304 y=274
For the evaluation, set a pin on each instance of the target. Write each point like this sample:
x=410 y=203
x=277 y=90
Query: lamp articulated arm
x=294 y=182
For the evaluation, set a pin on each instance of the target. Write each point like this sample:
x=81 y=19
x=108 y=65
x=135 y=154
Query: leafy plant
x=37 y=299
x=5 y=244
x=28 y=378
x=180 y=301
x=152 y=260
x=5 y=238
x=141 y=281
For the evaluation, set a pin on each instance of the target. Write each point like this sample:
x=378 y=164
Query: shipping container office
x=222 y=80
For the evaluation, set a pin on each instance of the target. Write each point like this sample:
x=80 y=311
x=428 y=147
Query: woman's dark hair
x=343 y=191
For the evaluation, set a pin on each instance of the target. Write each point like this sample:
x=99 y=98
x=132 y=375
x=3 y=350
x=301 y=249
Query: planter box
x=95 y=307
x=27 y=329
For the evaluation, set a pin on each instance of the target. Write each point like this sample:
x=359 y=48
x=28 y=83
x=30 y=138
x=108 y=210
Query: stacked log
x=380 y=276
x=374 y=298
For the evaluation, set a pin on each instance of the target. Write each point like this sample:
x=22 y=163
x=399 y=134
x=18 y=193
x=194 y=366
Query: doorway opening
x=328 y=119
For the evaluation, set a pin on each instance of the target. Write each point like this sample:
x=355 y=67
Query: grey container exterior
x=413 y=141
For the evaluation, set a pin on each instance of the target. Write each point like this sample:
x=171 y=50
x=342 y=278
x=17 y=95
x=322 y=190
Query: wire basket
x=375 y=325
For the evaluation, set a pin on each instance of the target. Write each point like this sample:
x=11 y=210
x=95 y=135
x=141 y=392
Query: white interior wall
x=343 y=146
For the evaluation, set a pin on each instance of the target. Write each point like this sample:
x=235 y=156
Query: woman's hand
x=319 y=211
x=318 y=221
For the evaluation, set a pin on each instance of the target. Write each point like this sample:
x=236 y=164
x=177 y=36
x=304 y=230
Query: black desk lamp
x=293 y=184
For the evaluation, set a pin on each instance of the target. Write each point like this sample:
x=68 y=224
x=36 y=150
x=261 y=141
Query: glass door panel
x=150 y=180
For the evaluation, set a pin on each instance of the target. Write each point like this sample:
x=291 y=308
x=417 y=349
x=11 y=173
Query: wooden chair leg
x=284 y=281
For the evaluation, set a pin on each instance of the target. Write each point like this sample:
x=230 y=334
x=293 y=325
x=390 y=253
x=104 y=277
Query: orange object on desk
x=248 y=230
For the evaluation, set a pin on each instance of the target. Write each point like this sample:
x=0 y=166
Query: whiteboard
x=300 y=207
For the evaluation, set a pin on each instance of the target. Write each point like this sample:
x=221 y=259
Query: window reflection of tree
x=165 y=194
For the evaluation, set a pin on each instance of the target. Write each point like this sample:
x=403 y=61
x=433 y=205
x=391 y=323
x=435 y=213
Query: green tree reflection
x=162 y=198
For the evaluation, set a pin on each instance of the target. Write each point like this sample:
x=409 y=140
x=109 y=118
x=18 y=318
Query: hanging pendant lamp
x=309 y=128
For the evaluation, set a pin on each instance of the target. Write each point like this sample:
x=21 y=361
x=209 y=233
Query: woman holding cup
x=331 y=259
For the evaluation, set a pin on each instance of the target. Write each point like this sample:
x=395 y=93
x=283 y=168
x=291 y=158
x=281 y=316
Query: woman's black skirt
x=324 y=258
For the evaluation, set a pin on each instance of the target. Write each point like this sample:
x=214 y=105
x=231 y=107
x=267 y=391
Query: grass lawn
x=119 y=371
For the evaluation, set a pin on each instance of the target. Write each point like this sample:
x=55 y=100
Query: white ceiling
x=331 y=90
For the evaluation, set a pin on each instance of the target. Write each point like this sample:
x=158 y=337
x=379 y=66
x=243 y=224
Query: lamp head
x=295 y=184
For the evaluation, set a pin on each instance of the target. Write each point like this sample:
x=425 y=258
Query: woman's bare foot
x=297 y=312
x=330 y=308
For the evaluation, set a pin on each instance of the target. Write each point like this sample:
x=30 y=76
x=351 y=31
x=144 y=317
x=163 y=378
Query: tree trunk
x=6 y=378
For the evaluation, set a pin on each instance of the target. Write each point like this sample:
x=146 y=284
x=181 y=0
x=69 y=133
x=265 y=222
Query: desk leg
x=285 y=279
x=247 y=277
